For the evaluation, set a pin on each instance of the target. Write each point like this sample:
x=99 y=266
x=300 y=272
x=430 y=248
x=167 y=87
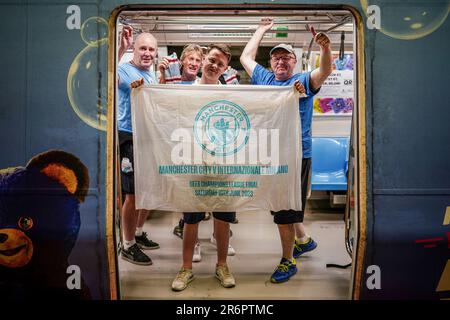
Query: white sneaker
x=225 y=277
x=183 y=278
x=231 y=251
x=197 y=257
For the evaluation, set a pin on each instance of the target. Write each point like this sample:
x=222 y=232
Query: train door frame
x=358 y=121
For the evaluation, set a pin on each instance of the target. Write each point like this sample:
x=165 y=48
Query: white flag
x=216 y=148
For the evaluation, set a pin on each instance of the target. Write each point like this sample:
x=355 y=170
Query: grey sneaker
x=183 y=278
x=145 y=243
x=225 y=277
x=135 y=255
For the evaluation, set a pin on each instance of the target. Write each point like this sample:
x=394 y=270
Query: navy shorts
x=126 y=162
x=292 y=216
x=196 y=217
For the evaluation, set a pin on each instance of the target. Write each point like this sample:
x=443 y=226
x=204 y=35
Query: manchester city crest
x=222 y=128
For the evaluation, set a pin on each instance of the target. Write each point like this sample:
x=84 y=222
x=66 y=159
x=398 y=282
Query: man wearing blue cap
x=282 y=62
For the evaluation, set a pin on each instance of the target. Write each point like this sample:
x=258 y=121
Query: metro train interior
x=330 y=219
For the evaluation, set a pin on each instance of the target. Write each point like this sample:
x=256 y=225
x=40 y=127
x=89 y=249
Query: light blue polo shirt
x=127 y=74
x=262 y=76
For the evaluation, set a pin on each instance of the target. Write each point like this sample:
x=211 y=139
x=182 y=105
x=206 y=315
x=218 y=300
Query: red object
x=448 y=239
x=313 y=31
x=429 y=240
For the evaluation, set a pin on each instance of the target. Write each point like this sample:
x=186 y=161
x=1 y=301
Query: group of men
x=213 y=63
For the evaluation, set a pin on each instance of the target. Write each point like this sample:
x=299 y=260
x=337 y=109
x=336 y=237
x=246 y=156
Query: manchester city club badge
x=222 y=128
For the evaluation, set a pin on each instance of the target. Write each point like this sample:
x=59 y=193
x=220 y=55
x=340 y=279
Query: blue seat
x=329 y=163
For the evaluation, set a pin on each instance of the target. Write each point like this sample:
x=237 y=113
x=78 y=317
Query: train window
x=255 y=249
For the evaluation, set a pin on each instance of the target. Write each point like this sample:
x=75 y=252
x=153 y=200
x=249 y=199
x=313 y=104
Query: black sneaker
x=135 y=255
x=178 y=230
x=145 y=243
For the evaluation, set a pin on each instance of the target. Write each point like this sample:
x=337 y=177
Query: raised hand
x=126 y=39
x=320 y=38
x=266 y=24
x=163 y=65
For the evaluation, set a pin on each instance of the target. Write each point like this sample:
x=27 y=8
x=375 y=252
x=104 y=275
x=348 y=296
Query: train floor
x=258 y=250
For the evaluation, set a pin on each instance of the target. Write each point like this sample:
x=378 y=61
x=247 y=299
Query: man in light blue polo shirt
x=136 y=70
x=282 y=62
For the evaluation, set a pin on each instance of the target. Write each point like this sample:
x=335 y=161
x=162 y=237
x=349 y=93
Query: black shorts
x=126 y=162
x=196 y=217
x=292 y=216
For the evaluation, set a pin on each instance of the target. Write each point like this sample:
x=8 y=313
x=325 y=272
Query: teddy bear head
x=39 y=209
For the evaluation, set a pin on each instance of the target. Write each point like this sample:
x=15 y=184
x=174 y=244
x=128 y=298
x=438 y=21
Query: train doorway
x=332 y=215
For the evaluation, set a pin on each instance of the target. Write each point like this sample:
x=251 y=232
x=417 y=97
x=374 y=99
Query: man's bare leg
x=190 y=238
x=300 y=231
x=129 y=218
x=222 y=234
x=287 y=236
x=142 y=217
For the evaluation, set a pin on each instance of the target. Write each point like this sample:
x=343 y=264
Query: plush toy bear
x=39 y=224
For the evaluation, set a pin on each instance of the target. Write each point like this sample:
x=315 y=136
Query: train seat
x=329 y=163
